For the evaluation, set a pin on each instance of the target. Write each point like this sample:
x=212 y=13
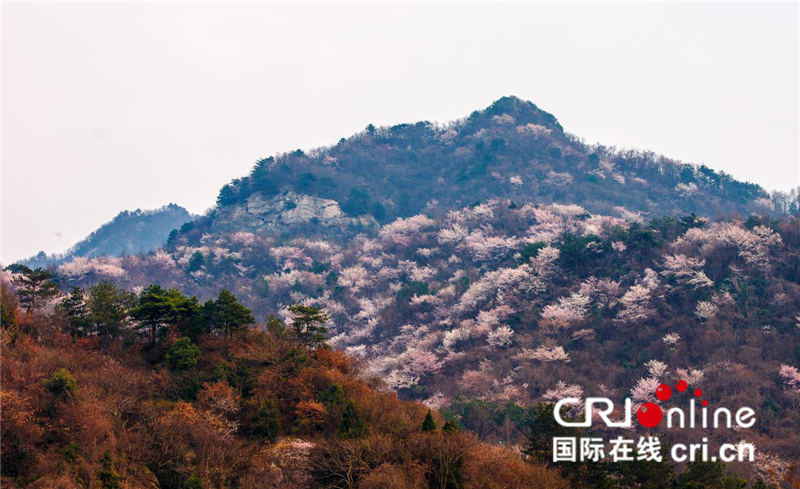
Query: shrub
x=107 y=474
x=183 y=354
x=193 y=482
x=333 y=397
x=353 y=425
x=268 y=422
x=62 y=384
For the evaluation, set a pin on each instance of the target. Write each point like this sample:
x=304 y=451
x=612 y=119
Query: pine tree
x=333 y=398
x=428 y=424
x=709 y=474
x=183 y=354
x=158 y=307
x=61 y=383
x=34 y=287
x=76 y=312
x=109 y=308
x=307 y=323
x=543 y=428
x=275 y=326
x=227 y=314
x=227 y=195
x=193 y=482
x=196 y=262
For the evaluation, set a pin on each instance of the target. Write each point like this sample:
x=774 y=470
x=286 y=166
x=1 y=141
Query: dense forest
x=481 y=316
x=87 y=403
x=118 y=390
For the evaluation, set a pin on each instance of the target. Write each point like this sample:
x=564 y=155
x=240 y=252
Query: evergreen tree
x=542 y=430
x=643 y=473
x=227 y=195
x=183 y=354
x=61 y=384
x=109 y=308
x=352 y=425
x=172 y=238
x=709 y=474
x=34 y=287
x=276 y=327
x=109 y=479
x=158 y=307
x=196 y=325
x=268 y=422
x=428 y=424
x=226 y=314
x=196 y=262
x=450 y=426
x=75 y=311
x=261 y=180
x=307 y=323
x=333 y=398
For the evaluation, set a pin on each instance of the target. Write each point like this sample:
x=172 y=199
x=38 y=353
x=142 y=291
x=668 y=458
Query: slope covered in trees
x=129 y=232
x=115 y=390
x=484 y=312
x=510 y=150
x=92 y=399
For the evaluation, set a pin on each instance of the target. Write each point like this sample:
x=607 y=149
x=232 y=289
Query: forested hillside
x=491 y=309
x=510 y=150
x=484 y=269
x=130 y=232
x=246 y=408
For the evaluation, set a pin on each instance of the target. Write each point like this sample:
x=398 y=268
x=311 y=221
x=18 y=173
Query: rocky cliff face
x=259 y=213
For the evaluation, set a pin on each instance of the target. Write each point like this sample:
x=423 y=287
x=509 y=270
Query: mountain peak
x=523 y=112
x=510 y=150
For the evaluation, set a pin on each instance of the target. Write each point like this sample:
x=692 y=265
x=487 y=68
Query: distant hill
x=129 y=232
x=511 y=150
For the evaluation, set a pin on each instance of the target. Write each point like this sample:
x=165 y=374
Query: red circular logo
x=663 y=392
x=649 y=415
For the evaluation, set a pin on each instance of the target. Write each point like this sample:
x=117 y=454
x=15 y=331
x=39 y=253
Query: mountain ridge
x=129 y=232
x=512 y=149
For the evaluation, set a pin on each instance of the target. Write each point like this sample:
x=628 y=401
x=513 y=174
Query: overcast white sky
x=119 y=106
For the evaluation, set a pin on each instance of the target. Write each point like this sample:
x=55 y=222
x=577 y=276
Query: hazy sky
x=118 y=106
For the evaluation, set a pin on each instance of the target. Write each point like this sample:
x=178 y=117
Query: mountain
x=511 y=150
x=130 y=232
x=498 y=263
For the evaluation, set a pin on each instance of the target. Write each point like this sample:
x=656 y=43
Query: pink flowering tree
x=790 y=377
x=567 y=311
